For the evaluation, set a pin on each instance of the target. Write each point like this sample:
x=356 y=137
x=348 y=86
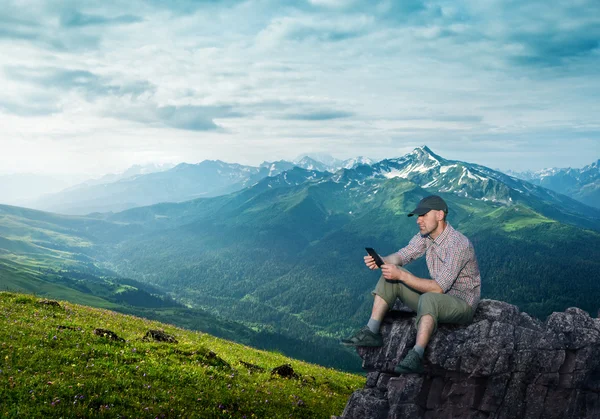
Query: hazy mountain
x=324 y=162
x=22 y=188
x=580 y=184
x=311 y=164
x=277 y=167
x=147 y=185
x=356 y=161
x=181 y=183
x=29 y=190
x=134 y=170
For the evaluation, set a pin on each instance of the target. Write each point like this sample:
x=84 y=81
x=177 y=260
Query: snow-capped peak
x=352 y=163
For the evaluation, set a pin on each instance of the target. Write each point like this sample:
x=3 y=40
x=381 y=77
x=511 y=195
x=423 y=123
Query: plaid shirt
x=451 y=261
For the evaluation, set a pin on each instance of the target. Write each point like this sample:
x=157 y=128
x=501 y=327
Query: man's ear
x=440 y=215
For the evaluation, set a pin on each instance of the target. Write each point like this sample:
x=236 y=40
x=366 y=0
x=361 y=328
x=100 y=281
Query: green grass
x=24 y=277
x=518 y=217
x=52 y=365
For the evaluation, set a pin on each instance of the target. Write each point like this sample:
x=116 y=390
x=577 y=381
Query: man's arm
x=393 y=259
x=442 y=281
x=413 y=250
x=393 y=273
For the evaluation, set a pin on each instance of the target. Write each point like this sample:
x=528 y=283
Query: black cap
x=432 y=202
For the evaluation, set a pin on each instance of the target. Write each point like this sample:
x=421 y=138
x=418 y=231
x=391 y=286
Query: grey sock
x=420 y=350
x=374 y=325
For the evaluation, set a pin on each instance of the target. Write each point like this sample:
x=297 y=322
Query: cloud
x=444 y=118
x=191 y=6
x=311 y=28
x=74 y=19
x=86 y=82
x=535 y=33
x=555 y=49
x=393 y=10
x=322 y=115
x=191 y=118
x=59 y=25
x=262 y=72
x=29 y=107
x=16 y=28
x=194 y=118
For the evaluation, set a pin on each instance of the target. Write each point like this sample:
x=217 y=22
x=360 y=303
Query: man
x=451 y=296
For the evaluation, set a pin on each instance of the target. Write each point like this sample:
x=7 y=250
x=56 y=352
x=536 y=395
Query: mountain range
x=142 y=185
x=580 y=184
x=283 y=255
x=145 y=185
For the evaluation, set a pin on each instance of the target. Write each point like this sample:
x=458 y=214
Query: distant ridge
x=580 y=184
x=214 y=178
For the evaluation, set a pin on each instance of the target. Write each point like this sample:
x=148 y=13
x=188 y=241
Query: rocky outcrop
x=159 y=336
x=505 y=364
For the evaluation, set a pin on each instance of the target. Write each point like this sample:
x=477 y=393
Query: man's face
x=429 y=223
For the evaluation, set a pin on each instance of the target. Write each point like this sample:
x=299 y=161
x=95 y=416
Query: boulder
x=159 y=336
x=505 y=364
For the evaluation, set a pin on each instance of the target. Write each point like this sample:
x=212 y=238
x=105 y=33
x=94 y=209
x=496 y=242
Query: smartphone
x=375 y=256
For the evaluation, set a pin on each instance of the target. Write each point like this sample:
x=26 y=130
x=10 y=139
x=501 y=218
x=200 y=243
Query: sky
x=94 y=87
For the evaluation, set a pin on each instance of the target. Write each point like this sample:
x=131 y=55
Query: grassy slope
x=25 y=278
x=22 y=277
x=46 y=371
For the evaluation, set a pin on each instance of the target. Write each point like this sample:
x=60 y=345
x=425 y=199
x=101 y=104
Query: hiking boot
x=364 y=337
x=411 y=364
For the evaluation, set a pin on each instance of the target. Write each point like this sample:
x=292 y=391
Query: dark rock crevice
x=505 y=364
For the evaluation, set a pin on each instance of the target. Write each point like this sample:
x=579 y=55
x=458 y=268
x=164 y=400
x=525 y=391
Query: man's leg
x=425 y=330
x=433 y=307
x=443 y=308
x=380 y=307
x=385 y=294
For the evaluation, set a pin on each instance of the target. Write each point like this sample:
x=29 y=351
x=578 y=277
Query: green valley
x=279 y=265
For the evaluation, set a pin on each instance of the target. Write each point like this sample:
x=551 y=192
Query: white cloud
x=242 y=80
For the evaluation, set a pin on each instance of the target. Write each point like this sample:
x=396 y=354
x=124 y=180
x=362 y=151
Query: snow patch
x=444 y=169
x=473 y=176
x=396 y=173
x=430 y=184
x=420 y=168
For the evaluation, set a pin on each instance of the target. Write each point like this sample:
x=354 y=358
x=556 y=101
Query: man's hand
x=392 y=273
x=370 y=262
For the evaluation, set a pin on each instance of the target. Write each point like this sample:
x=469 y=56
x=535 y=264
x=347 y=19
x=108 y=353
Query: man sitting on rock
x=451 y=296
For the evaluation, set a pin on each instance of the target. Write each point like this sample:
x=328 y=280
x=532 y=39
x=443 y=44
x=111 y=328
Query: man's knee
x=379 y=300
x=428 y=300
x=445 y=308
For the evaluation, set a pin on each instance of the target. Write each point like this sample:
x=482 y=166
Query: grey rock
x=367 y=403
x=372 y=378
x=404 y=389
x=505 y=364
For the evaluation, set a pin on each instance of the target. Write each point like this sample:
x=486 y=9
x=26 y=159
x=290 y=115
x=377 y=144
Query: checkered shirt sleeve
x=413 y=250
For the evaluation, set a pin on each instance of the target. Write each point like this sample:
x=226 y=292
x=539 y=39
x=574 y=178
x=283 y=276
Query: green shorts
x=443 y=308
